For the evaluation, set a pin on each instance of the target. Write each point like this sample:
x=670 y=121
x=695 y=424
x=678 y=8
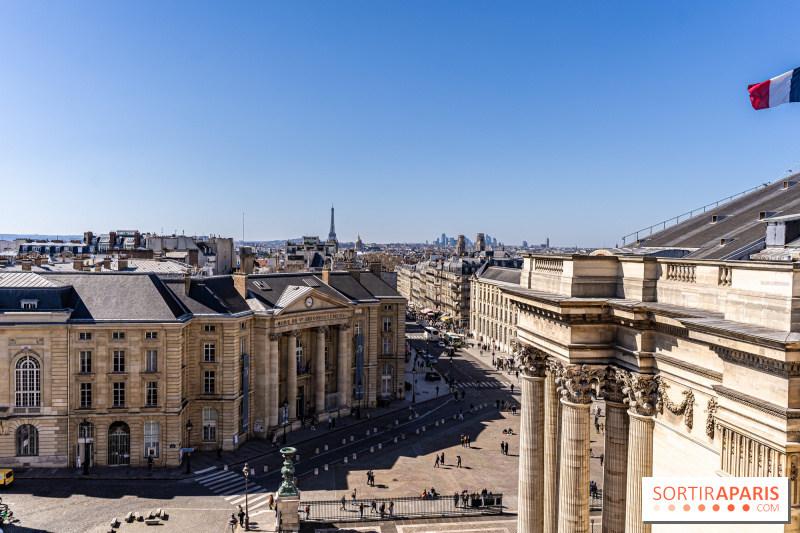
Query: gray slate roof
x=502 y=275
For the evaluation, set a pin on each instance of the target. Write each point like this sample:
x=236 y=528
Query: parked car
x=432 y=376
x=432 y=360
x=441 y=344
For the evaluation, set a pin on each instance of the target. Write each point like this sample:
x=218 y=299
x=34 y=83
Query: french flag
x=776 y=91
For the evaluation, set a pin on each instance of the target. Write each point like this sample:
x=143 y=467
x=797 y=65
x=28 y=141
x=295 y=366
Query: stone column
x=576 y=391
x=531 y=364
x=551 y=439
x=641 y=391
x=343 y=365
x=291 y=374
x=319 y=370
x=615 y=464
x=273 y=378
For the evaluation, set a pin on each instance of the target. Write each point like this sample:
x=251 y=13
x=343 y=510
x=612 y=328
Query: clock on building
x=309 y=301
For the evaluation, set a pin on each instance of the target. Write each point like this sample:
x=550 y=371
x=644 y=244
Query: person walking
x=344 y=501
x=383 y=510
x=241 y=516
x=468 y=442
x=502 y=447
x=436 y=463
x=149 y=463
x=455 y=499
x=437 y=391
x=232 y=523
x=442 y=460
x=391 y=509
x=361 y=511
x=602 y=456
x=354 y=496
x=512 y=388
x=597 y=426
x=272 y=501
x=458 y=457
x=373 y=506
x=506 y=448
x=308 y=512
x=219 y=453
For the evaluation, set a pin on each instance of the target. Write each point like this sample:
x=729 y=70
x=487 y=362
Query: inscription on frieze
x=311 y=318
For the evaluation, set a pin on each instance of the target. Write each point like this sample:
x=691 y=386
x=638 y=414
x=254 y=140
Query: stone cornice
x=675 y=331
x=759 y=362
x=689 y=367
x=759 y=405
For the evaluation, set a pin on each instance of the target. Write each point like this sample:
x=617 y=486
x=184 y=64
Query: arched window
x=209 y=423
x=28 y=383
x=151 y=438
x=119 y=444
x=27 y=440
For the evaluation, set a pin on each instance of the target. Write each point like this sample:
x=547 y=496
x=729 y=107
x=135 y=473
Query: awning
x=426 y=311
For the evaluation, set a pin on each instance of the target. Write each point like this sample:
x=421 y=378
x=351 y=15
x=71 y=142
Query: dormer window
x=30 y=304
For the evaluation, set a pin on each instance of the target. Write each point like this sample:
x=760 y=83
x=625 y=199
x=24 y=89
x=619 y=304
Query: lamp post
x=414 y=386
x=188 y=443
x=84 y=428
x=246 y=472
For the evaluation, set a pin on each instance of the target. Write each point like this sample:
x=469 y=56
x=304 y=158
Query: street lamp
x=246 y=472
x=414 y=386
x=188 y=444
x=85 y=430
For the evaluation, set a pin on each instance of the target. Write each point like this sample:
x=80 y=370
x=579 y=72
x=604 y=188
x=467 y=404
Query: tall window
x=327 y=349
x=387 y=346
x=118 y=399
x=151 y=361
x=387 y=324
x=209 y=423
x=118 y=361
x=208 y=382
x=85 y=361
x=86 y=396
x=209 y=352
x=27 y=440
x=359 y=329
x=299 y=354
x=151 y=394
x=151 y=438
x=28 y=383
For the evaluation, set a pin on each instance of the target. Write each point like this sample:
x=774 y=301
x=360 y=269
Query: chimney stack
x=77 y=264
x=240 y=282
x=355 y=273
x=375 y=267
x=26 y=264
x=122 y=262
x=107 y=263
x=37 y=261
x=247 y=259
x=187 y=283
x=326 y=275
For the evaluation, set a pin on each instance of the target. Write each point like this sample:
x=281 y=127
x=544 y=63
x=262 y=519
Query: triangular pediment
x=296 y=298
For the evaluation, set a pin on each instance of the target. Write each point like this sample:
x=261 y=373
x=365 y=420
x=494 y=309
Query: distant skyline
x=578 y=121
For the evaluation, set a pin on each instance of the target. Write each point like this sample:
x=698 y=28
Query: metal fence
x=398 y=508
x=596 y=501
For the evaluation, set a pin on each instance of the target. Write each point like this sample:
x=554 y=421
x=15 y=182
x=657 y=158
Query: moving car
x=432 y=376
x=441 y=344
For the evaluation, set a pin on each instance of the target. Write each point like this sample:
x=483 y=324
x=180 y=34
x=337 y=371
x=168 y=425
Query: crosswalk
x=486 y=385
x=230 y=485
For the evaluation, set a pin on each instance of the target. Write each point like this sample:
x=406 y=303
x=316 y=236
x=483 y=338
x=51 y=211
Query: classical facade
x=111 y=367
x=697 y=362
x=493 y=319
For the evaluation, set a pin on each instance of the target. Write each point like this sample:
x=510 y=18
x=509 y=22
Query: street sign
x=185 y=450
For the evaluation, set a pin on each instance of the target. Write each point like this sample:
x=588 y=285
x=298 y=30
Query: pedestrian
x=308 y=512
x=602 y=456
x=497 y=404
x=330 y=422
x=512 y=388
x=391 y=509
x=272 y=501
x=437 y=391
x=599 y=411
x=597 y=426
x=383 y=510
x=455 y=499
x=219 y=453
x=591 y=452
x=442 y=461
x=436 y=463
x=513 y=410
x=241 y=516
x=468 y=441
x=149 y=463
x=303 y=421
x=333 y=423
x=458 y=458
x=232 y=523
x=361 y=511
x=506 y=448
x=602 y=428
x=344 y=501
x=502 y=447
x=462 y=440
x=313 y=423
x=373 y=506
x=354 y=496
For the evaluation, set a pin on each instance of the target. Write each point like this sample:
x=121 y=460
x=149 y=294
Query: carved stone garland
x=711 y=419
x=686 y=408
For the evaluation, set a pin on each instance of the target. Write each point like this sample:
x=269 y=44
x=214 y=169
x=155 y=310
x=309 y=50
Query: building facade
x=111 y=367
x=493 y=318
x=697 y=362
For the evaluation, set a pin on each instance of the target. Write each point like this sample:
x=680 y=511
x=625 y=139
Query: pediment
x=295 y=299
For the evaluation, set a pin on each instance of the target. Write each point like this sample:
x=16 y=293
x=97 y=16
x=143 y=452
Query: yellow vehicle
x=6 y=477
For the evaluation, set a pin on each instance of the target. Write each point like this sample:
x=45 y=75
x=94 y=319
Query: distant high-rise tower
x=461 y=246
x=332 y=233
x=443 y=240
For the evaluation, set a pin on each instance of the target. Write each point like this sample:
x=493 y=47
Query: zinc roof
x=24 y=279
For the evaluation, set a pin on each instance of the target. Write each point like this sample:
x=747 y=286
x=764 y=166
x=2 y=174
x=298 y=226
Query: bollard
x=354 y=456
x=372 y=449
x=326 y=447
x=437 y=423
x=374 y=430
x=416 y=415
x=316 y=471
x=326 y=467
x=352 y=438
x=396 y=422
x=410 y=417
x=316 y=450
x=402 y=436
x=395 y=440
x=344 y=441
x=455 y=417
x=266 y=469
x=297 y=458
x=345 y=460
x=423 y=429
x=380 y=445
x=417 y=431
x=367 y=433
x=442 y=420
x=225 y=467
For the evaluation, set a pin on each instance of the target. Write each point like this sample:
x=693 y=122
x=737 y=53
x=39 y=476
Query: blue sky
x=581 y=121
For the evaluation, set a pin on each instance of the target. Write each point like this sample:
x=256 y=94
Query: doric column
x=551 y=439
x=343 y=366
x=615 y=465
x=291 y=374
x=319 y=370
x=531 y=364
x=641 y=390
x=576 y=385
x=273 y=378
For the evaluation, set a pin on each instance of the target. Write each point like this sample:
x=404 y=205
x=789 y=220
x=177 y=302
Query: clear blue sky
x=581 y=121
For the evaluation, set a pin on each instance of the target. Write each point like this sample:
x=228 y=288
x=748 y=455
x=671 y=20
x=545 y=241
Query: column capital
x=555 y=368
x=614 y=384
x=530 y=361
x=577 y=381
x=274 y=336
x=295 y=333
x=344 y=327
x=323 y=329
x=641 y=390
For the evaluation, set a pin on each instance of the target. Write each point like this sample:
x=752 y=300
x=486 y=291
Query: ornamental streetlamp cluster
x=189 y=427
x=246 y=471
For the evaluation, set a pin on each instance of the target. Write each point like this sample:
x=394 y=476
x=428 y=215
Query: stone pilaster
x=291 y=374
x=551 y=440
x=343 y=366
x=576 y=385
x=319 y=371
x=615 y=465
x=273 y=379
x=531 y=364
x=641 y=391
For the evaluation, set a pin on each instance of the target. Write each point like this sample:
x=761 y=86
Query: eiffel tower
x=332 y=233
